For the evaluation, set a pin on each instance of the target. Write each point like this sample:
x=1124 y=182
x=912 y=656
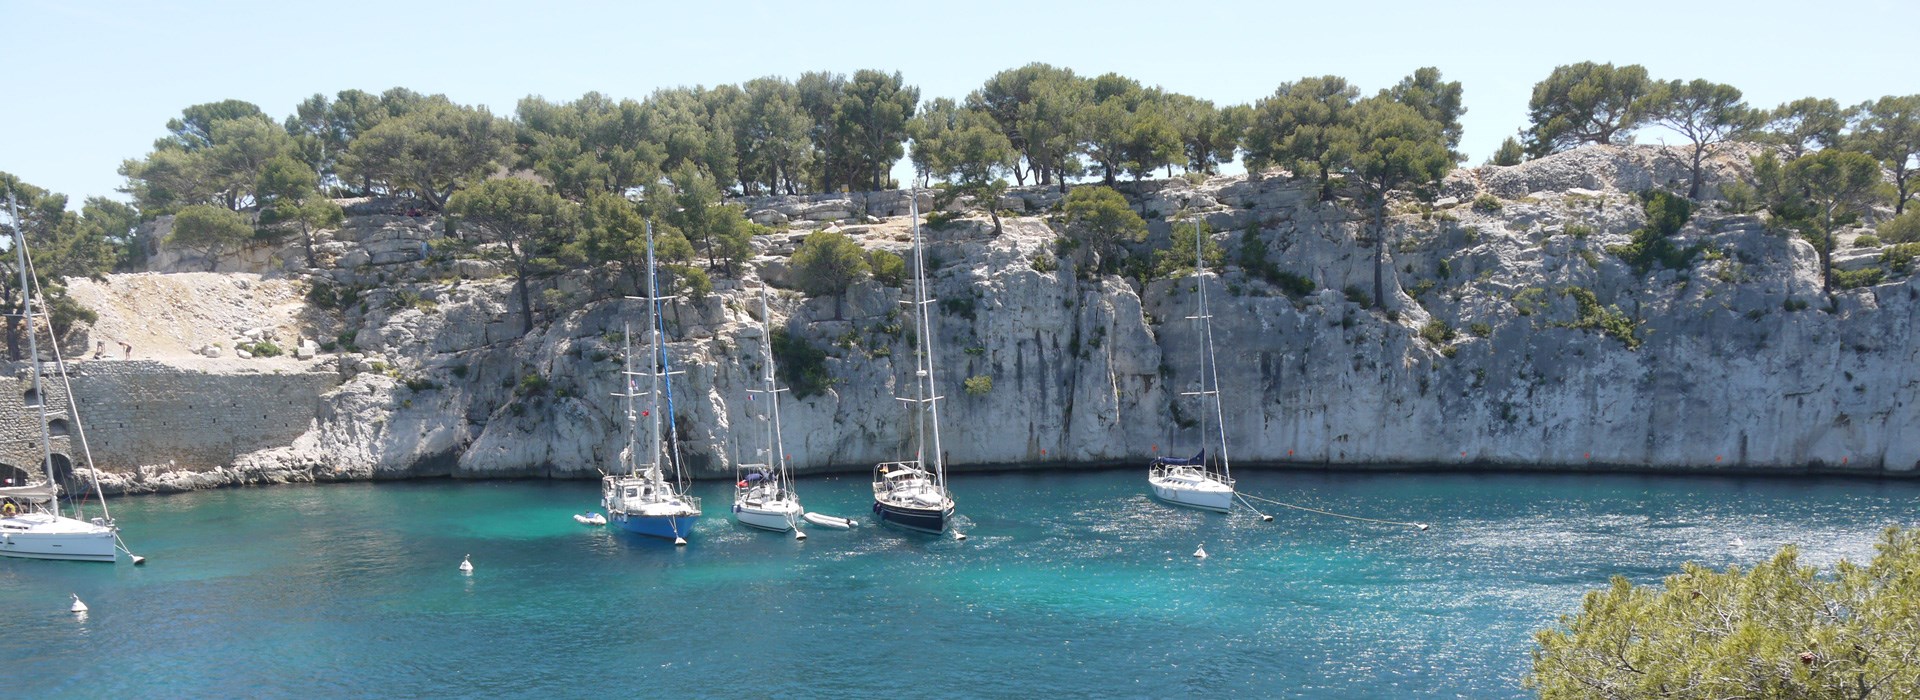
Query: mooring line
x=1422 y=526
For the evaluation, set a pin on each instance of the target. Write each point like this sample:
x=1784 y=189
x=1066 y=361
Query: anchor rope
x=1284 y=504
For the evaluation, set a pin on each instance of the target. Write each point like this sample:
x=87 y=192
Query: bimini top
x=1197 y=459
x=38 y=493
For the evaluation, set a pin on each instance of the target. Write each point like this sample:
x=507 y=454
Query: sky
x=93 y=83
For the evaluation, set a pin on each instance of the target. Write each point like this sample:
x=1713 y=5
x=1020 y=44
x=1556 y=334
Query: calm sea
x=1070 y=585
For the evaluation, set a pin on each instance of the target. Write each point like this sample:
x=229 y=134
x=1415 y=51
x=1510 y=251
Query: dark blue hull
x=933 y=520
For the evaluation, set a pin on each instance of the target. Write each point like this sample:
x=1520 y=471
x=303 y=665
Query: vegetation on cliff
x=596 y=170
x=1780 y=629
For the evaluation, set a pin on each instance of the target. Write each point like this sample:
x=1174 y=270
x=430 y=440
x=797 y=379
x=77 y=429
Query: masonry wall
x=148 y=413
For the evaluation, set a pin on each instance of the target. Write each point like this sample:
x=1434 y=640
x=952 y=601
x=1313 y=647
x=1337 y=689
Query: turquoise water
x=1069 y=585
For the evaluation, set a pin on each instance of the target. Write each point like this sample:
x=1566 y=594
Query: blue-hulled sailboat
x=644 y=500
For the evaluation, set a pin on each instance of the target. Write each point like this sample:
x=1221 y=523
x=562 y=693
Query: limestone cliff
x=1561 y=355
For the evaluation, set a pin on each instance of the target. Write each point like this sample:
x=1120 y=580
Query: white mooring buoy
x=1200 y=553
x=679 y=541
x=798 y=535
x=959 y=536
x=78 y=607
x=466 y=564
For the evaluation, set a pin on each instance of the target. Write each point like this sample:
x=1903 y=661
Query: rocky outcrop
x=1511 y=336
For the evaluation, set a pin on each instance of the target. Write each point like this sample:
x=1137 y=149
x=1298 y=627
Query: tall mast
x=775 y=441
x=929 y=390
x=33 y=340
x=1210 y=364
x=626 y=337
x=653 y=363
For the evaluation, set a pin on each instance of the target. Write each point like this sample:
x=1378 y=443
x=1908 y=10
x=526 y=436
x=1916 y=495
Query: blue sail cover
x=1200 y=458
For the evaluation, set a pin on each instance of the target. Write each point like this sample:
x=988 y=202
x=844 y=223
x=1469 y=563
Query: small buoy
x=679 y=541
x=798 y=535
x=1266 y=518
x=78 y=606
x=466 y=564
x=1200 y=553
x=1422 y=526
x=138 y=560
x=1738 y=543
x=959 y=536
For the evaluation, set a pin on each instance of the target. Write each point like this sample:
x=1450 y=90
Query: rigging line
x=1422 y=526
x=73 y=408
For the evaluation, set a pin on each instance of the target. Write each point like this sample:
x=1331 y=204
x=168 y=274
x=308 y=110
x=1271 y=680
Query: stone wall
x=144 y=413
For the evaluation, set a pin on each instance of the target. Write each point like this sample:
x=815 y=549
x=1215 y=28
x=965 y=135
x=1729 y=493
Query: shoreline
x=1475 y=469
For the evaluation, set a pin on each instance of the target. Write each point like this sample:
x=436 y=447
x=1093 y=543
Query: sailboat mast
x=33 y=339
x=1210 y=365
x=931 y=391
x=653 y=364
x=775 y=441
x=626 y=379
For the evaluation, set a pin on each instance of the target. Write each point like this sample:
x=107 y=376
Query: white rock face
x=1736 y=362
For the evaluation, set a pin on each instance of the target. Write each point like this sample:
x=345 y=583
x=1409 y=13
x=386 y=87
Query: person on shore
x=127 y=349
x=99 y=349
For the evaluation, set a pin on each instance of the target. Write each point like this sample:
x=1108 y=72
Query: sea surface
x=1069 y=585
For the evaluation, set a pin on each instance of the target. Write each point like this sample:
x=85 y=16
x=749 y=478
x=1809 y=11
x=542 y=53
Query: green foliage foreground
x=1779 y=630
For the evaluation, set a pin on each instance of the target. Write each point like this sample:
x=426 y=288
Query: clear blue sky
x=93 y=83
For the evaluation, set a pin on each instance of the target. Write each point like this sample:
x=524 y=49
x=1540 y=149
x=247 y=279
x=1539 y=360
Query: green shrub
x=1775 y=628
x=1606 y=319
x=1580 y=231
x=1666 y=213
x=1900 y=257
x=941 y=219
x=1792 y=304
x=264 y=348
x=532 y=384
x=1904 y=228
x=1741 y=197
x=1486 y=203
x=979 y=385
x=1293 y=284
x=1649 y=248
x=1437 y=332
x=1480 y=329
x=1045 y=264
x=828 y=262
x=1530 y=301
x=1358 y=296
x=1867 y=241
x=959 y=306
x=888 y=268
x=801 y=365
x=418 y=384
x=1855 y=279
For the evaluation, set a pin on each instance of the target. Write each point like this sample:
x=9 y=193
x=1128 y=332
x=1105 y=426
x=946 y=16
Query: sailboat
x=32 y=523
x=763 y=496
x=644 y=500
x=1194 y=481
x=913 y=493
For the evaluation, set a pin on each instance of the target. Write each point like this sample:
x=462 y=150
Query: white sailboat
x=32 y=523
x=644 y=500
x=763 y=495
x=1195 y=482
x=913 y=493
